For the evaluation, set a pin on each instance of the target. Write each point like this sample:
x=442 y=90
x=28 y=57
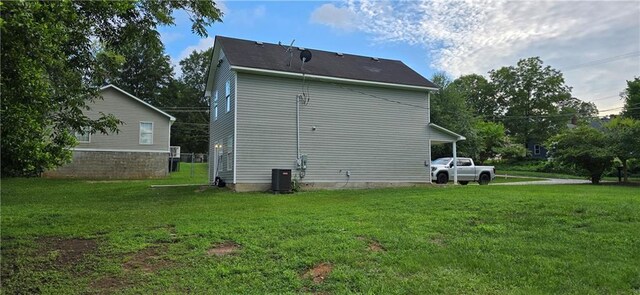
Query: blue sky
x=596 y=44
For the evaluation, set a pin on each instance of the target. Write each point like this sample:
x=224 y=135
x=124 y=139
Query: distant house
x=139 y=150
x=338 y=120
x=536 y=150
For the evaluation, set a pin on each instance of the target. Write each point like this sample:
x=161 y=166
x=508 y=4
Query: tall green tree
x=491 y=140
x=530 y=93
x=584 y=148
x=479 y=94
x=631 y=97
x=623 y=136
x=450 y=110
x=144 y=69
x=49 y=68
x=184 y=99
x=582 y=111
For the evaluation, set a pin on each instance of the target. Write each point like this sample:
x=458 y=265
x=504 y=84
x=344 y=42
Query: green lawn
x=78 y=236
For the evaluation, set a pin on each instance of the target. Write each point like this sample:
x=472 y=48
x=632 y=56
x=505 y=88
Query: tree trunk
x=595 y=179
x=624 y=171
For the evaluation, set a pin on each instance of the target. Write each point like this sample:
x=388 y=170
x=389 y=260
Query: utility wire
x=602 y=61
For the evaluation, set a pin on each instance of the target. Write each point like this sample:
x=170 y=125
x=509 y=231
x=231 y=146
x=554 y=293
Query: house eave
x=171 y=118
x=454 y=136
x=330 y=79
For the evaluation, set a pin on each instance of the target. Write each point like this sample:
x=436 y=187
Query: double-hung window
x=536 y=149
x=227 y=92
x=146 y=132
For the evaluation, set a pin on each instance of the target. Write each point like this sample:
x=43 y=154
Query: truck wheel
x=442 y=178
x=484 y=179
x=463 y=182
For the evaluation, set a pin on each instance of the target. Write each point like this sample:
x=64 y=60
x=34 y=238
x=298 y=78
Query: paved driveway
x=547 y=181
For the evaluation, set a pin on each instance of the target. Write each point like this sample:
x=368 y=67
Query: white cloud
x=335 y=17
x=464 y=37
x=222 y=6
x=246 y=17
x=167 y=36
x=202 y=45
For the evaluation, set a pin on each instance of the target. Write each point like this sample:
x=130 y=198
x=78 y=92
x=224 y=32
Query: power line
x=601 y=61
x=605 y=97
x=381 y=98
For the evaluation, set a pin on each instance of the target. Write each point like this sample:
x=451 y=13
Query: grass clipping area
x=61 y=236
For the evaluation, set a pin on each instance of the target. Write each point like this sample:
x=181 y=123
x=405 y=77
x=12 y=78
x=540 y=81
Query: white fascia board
x=331 y=79
x=171 y=118
x=445 y=130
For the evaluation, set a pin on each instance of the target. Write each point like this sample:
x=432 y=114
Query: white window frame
x=140 y=132
x=227 y=92
x=536 y=149
x=215 y=106
x=87 y=131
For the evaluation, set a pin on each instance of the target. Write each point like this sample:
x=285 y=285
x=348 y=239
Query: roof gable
x=127 y=94
x=267 y=56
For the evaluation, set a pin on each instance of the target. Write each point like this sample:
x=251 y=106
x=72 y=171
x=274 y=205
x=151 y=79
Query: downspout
x=298 y=130
x=428 y=161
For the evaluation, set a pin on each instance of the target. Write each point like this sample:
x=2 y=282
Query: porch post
x=455 y=164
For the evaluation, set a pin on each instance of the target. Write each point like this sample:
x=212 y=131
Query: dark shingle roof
x=245 y=53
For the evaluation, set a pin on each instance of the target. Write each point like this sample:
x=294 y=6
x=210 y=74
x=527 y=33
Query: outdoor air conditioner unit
x=281 y=181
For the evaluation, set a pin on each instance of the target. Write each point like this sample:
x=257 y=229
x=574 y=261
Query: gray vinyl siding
x=222 y=127
x=131 y=112
x=373 y=138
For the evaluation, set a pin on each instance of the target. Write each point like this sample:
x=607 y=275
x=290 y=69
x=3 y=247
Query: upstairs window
x=83 y=136
x=227 y=91
x=146 y=132
x=215 y=106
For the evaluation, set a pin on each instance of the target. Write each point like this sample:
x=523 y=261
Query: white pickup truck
x=442 y=171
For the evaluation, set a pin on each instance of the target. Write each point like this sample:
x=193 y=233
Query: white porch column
x=455 y=164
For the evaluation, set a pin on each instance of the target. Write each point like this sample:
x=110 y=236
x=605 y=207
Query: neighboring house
x=339 y=120
x=139 y=150
x=537 y=150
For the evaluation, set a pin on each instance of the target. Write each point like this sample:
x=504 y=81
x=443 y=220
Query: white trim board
x=171 y=118
x=331 y=79
x=235 y=127
x=116 y=150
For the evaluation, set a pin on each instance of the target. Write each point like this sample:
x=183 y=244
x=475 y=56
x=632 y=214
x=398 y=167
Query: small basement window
x=146 y=133
x=83 y=136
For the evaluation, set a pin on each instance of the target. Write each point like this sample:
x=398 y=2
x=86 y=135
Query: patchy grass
x=63 y=236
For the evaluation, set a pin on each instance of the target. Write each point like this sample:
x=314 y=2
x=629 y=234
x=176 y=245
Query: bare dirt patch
x=149 y=259
x=107 y=285
x=375 y=246
x=223 y=249
x=438 y=241
x=68 y=251
x=319 y=272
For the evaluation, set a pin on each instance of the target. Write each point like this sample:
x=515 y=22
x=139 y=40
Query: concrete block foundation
x=113 y=165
